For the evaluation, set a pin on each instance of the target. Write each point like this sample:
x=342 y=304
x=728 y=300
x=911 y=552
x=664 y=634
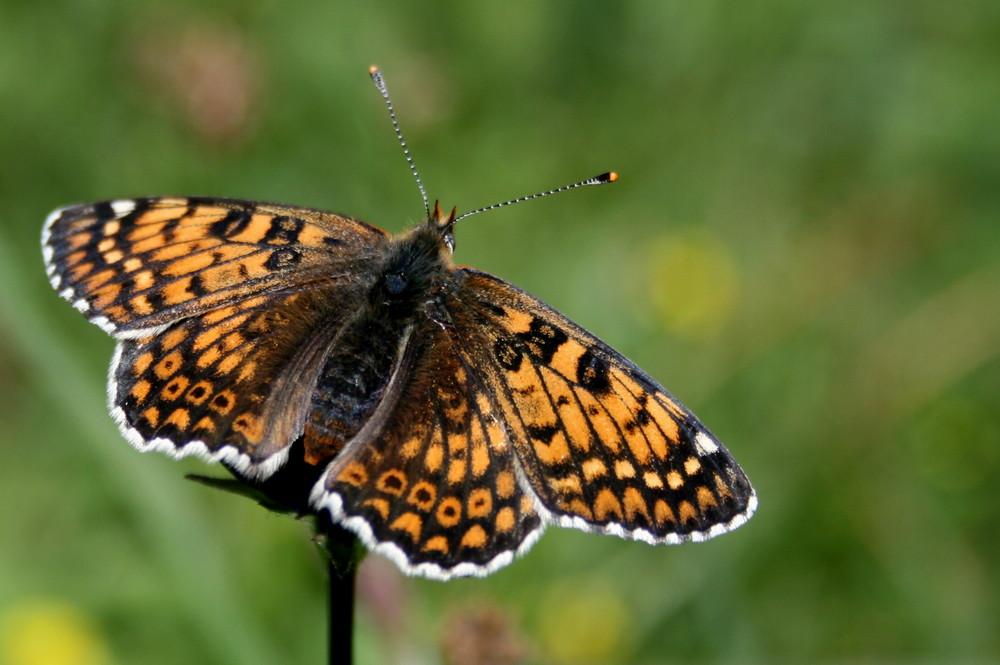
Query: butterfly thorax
x=366 y=348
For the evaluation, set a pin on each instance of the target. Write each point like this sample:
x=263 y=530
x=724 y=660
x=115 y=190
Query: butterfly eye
x=395 y=283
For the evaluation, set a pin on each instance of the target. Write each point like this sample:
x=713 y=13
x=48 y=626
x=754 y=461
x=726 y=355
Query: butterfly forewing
x=135 y=265
x=603 y=446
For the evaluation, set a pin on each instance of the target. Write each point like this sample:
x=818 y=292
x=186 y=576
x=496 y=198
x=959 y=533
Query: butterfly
x=449 y=416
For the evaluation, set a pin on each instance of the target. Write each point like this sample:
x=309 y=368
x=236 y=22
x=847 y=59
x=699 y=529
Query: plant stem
x=342 y=567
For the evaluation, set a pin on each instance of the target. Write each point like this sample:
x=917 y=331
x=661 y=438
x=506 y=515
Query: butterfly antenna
x=602 y=179
x=376 y=74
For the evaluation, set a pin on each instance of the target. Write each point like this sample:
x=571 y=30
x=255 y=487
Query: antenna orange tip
x=373 y=70
x=612 y=176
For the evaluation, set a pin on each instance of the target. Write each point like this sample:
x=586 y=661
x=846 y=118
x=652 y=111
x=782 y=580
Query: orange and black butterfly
x=449 y=416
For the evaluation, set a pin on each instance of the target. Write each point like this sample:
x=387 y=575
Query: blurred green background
x=804 y=246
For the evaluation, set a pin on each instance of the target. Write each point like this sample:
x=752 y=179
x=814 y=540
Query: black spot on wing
x=592 y=373
x=197 y=286
x=283 y=258
x=543 y=433
x=543 y=339
x=507 y=354
x=284 y=230
x=233 y=223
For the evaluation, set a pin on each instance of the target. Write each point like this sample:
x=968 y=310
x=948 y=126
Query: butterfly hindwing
x=233 y=383
x=603 y=446
x=135 y=265
x=431 y=480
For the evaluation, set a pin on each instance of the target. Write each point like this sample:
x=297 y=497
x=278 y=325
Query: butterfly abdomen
x=352 y=381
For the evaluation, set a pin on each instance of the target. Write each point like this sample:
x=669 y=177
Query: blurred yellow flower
x=50 y=632
x=692 y=282
x=586 y=621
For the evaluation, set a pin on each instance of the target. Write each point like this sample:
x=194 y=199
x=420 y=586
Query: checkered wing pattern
x=233 y=384
x=431 y=480
x=602 y=446
x=134 y=266
x=223 y=309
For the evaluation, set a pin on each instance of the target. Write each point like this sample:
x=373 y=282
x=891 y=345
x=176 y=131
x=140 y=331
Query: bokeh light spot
x=50 y=632
x=692 y=283
x=585 y=622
